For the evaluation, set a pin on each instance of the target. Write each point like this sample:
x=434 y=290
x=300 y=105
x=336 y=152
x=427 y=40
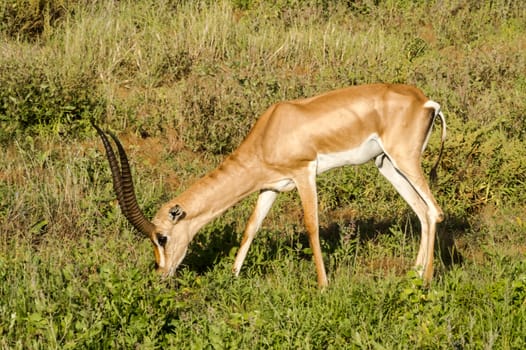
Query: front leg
x=306 y=184
x=264 y=203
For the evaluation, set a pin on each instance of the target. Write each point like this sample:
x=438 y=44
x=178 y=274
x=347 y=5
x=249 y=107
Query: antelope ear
x=176 y=213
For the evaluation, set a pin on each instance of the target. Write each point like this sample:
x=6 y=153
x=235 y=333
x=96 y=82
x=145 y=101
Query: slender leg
x=306 y=184
x=263 y=205
x=415 y=191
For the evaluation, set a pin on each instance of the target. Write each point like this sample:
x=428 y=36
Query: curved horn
x=123 y=185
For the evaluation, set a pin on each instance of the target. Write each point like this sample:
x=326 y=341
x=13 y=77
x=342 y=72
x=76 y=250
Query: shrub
x=35 y=95
x=29 y=19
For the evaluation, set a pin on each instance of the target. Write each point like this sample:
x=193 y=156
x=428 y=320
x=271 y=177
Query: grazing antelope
x=287 y=147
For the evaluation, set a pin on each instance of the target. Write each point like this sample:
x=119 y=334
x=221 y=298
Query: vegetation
x=181 y=82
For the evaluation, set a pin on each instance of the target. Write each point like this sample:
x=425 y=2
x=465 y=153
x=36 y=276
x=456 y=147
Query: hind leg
x=409 y=181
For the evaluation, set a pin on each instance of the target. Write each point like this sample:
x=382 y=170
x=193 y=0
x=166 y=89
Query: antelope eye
x=161 y=239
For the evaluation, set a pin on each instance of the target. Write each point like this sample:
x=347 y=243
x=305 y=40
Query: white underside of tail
x=437 y=113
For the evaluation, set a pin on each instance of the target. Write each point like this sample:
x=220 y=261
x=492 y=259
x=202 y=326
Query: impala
x=288 y=146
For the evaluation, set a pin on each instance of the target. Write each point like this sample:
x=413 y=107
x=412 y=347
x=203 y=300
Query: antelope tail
x=433 y=173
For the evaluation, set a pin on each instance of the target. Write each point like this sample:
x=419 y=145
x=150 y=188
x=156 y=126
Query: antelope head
x=168 y=232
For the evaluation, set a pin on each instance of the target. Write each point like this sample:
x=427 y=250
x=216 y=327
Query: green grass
x=181 y=83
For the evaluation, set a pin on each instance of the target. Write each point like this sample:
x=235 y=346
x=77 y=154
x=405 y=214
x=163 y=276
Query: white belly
x=369 y=149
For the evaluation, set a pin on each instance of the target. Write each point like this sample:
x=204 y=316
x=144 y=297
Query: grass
x=181 y=83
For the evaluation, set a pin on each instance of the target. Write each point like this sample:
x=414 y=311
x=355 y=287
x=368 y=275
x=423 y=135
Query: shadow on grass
x=208 y=248
x=217 y=243
x=445 y=249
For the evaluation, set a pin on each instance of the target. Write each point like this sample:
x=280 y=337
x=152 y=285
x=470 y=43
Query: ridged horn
x=123 y=185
